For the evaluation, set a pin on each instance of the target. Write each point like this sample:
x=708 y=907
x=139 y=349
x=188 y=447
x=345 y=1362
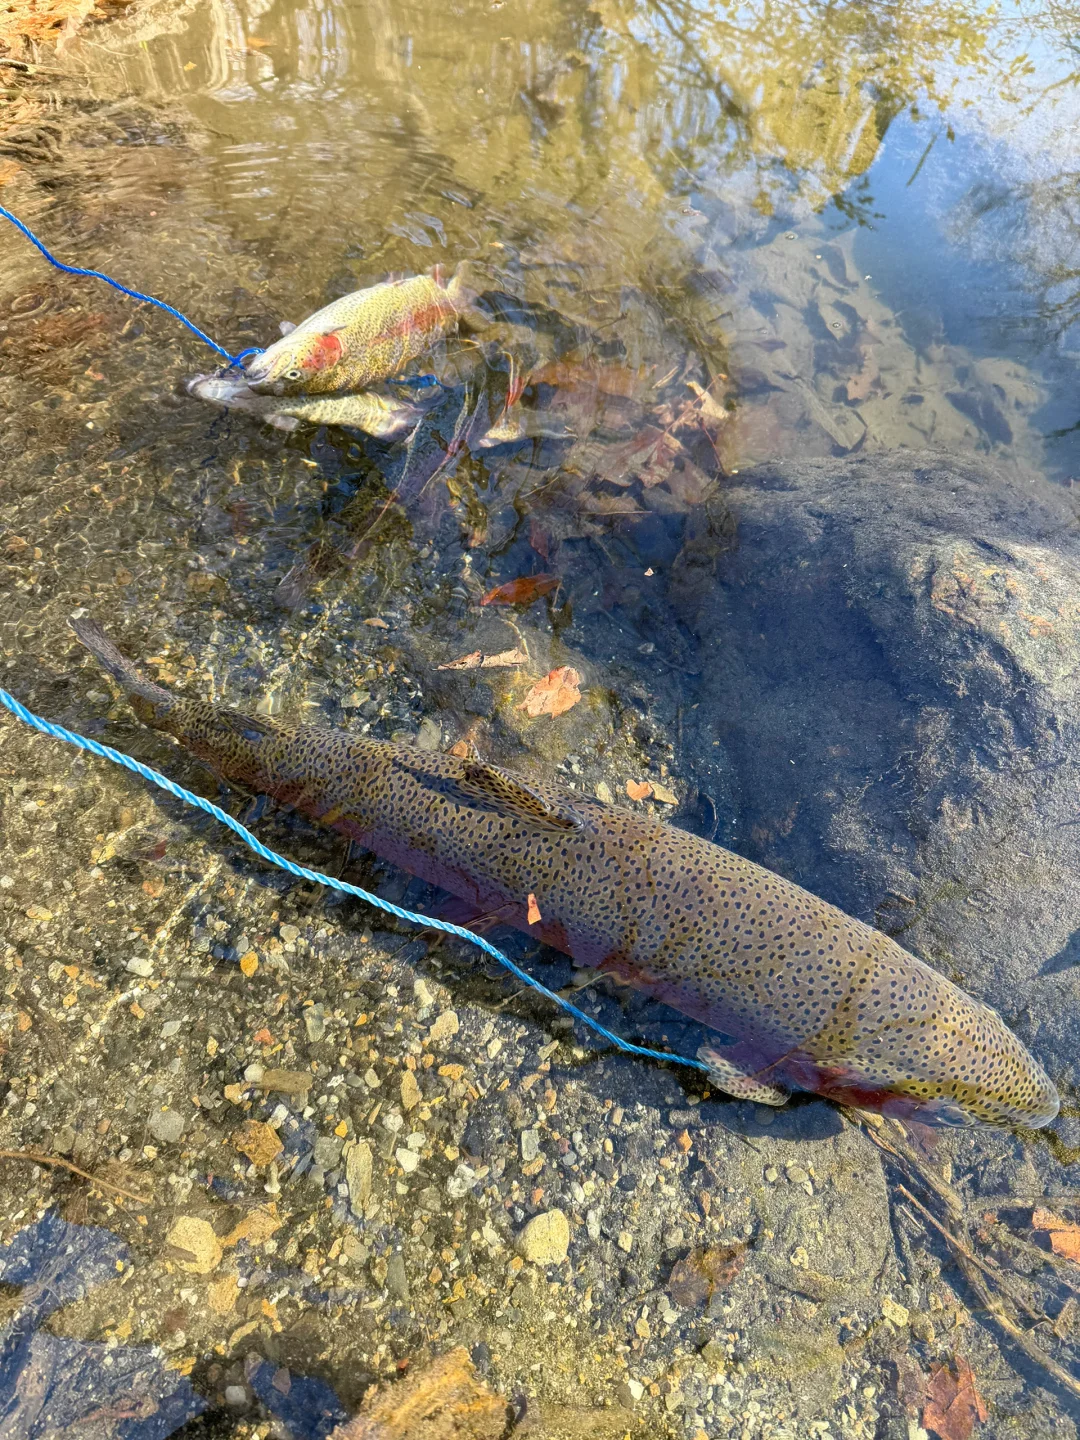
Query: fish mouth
x=221 y=388
x=980 y=1110
x=264 y=387
x=203 y=387
x=1045 y=1114
x=258 y=374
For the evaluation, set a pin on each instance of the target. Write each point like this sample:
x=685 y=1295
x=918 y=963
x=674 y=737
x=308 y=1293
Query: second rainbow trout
x=804 y=995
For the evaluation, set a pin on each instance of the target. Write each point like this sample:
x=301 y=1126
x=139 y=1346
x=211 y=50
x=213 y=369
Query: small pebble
x=407 y=1159
x=630 y=1392
x=315 y=1022
x=893 y=1311
x=235 y=1395
x=410 y=1090
x=446 y=1025
x=545 y=1239
x=140 y=967
x=397 y=1282
x=166 y=1126
x=358 y=1169
x=197 y=1248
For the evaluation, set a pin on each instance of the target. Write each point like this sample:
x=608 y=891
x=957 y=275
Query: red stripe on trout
x=326 y=351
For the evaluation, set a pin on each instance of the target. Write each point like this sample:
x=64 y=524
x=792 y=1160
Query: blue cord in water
x=106 y=752
x=134 y=294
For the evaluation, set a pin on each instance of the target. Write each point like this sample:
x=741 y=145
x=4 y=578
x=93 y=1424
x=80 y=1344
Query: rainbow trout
x=367 y=410
x=804 y=995
x=363 y=338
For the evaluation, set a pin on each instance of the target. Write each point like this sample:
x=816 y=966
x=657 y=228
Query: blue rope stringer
x=134 y=294
x=428 y=922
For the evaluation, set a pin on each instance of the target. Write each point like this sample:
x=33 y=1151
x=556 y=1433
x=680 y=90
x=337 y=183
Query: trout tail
x=149 y=701
x=463 y=290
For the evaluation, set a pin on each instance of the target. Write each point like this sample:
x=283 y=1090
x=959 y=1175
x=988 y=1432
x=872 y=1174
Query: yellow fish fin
x=736 y=1082
x=512 y=796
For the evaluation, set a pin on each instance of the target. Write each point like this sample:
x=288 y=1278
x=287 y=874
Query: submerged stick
x=972 y=1268
x=34 y=1158
x=967 y=1252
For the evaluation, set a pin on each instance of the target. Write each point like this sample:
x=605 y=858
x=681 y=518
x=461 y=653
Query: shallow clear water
x=721 y=242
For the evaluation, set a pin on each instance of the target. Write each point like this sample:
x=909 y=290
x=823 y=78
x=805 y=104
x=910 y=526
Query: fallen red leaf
x=539 y=538
x=953 y=1404
x=638 y=789
x=649 y=457
x=603 y=379
x=694 y=1280
x=534 y=910
x=707 y=407
x=466 y=662
x=555 y=694
x=504 y=660
x=522 y=591
x=1064 y=1236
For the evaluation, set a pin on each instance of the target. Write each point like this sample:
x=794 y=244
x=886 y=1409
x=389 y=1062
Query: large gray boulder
x=891 y=662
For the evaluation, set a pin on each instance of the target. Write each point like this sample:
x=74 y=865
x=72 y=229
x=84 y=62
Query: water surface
x=722 y=240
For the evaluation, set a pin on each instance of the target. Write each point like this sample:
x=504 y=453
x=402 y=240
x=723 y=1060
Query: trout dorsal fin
x=251 y=728
x=512 y=796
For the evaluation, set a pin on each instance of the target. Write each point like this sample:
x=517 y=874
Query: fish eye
x=293 y=375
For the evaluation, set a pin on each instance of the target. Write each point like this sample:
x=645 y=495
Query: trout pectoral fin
x=512 y=796
x=472 y=917
x=251 y=728
x=733 y=1081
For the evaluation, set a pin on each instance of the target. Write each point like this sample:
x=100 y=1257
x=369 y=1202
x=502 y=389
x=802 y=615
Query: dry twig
x=34 y=1158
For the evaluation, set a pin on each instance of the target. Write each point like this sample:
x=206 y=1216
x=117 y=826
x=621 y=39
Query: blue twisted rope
x=134 y=294
x=106 y=752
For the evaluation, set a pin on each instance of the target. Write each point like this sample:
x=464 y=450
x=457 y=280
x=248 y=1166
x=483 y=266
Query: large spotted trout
x=804 y=996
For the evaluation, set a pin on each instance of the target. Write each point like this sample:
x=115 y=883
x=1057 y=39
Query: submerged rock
x=893 y=667
x=545 y=1239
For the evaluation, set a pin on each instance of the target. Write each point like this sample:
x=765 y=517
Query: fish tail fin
x=149 y=701
x=463 y=289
